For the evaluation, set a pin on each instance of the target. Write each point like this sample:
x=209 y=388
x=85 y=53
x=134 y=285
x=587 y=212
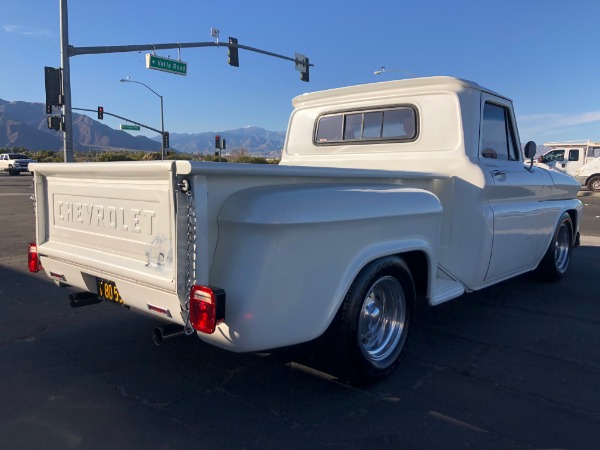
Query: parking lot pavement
x=513 y=366
x=590 y=240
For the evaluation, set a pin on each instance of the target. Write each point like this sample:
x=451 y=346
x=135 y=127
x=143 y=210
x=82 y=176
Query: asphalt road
x=514 y=366
x=590 y=224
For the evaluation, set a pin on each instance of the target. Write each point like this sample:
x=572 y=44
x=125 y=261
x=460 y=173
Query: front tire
x=557 y=259
x=371 y=328
x=594 y=184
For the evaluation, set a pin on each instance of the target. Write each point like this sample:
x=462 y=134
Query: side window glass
x=497 y=135
x=493 y=136
x=330 y=128
x=514 y=153
x=574 y=155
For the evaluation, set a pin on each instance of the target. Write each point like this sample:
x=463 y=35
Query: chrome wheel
x=369 y=332
x=562 y=248
x=557 y=258
x=382 y=321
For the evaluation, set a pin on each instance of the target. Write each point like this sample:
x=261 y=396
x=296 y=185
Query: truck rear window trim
x=370 y=132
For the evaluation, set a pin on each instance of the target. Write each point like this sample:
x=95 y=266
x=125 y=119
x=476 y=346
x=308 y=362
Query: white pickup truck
x=580 y=159
x=387 y=194
x=15 y=163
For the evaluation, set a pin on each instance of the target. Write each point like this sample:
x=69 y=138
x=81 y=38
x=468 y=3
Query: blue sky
x=542 y=54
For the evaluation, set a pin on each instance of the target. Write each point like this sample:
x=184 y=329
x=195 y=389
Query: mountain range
x=254 y=140
x=24 y=124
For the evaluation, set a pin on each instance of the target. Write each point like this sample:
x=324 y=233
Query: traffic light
x=224 y=145
x=100 y=112
x=232 y=53
x=218 y=142
x=302 y=65
x=55 y=122
x=53 y=88
x=166 y=139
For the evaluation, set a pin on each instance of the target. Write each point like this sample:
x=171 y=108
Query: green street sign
x=130 y=127
x=165 y=64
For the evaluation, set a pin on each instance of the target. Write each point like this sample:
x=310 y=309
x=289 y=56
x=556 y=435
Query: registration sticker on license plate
x=108 y=291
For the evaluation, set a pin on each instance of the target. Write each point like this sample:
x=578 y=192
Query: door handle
x=498 y=173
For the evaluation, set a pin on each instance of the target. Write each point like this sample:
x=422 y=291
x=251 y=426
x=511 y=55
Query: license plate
x=108 y=291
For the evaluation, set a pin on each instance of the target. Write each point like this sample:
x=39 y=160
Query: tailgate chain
x=32 y=198
x=191 y=252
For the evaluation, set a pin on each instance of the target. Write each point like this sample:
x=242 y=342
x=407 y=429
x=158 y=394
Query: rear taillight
x=207 y=308
x=33 y=260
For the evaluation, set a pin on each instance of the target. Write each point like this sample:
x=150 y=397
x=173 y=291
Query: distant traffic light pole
x=100 y=110
x=162 y=117
x=302 y=65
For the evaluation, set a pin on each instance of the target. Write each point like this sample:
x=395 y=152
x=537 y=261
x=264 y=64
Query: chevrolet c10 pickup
x=387 y=195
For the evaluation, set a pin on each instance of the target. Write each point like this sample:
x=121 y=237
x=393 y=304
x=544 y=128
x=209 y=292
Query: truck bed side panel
x=287 y=255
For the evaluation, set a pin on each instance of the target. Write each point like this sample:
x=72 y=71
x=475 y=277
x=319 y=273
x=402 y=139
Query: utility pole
x=66 y=83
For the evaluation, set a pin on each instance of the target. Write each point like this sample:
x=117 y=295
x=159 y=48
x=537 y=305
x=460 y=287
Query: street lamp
x=162 y=117
x=383 y=70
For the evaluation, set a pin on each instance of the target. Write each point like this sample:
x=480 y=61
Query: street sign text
x=130 y=127
x=165 y=64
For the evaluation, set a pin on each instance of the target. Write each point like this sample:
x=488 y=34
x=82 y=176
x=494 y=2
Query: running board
x=445 y=288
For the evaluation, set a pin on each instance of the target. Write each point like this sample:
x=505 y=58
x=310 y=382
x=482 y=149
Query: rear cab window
x=398 y=123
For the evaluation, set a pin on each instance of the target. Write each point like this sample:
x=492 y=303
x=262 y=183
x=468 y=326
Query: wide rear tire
x=371 y=328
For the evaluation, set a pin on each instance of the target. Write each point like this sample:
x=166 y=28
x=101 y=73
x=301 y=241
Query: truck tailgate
x=115 y=221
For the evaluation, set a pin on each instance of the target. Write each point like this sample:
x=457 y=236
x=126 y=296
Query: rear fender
x=287 y=255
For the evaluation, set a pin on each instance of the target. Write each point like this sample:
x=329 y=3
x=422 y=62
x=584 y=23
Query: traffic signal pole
x=75 y=51
x=66 y=83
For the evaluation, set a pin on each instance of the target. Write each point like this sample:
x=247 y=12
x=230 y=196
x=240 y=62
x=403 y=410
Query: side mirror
x=530 y=149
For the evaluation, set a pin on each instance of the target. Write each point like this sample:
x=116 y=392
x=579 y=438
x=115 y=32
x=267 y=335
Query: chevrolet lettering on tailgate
x=135 y=220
